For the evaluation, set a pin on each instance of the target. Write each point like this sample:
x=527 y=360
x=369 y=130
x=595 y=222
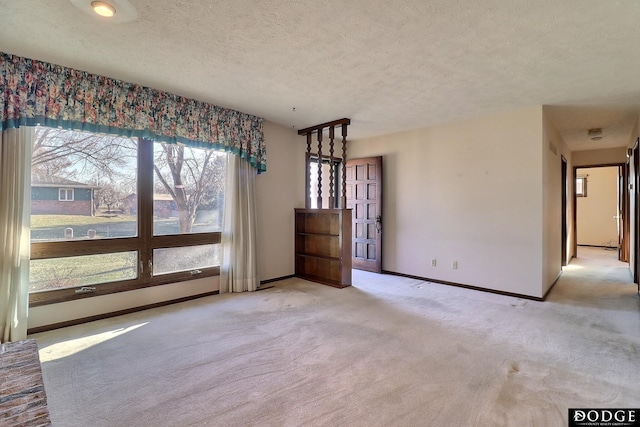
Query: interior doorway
x=600 y=209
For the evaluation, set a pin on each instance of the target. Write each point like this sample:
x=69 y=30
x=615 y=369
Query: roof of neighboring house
x=38 y=180
x=166 y=197
x=156 y=196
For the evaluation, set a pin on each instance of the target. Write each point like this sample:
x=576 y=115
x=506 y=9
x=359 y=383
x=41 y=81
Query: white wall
x=553 y=148
x=595 y=213
x=469 y=191
x=87 y=307
x=278 y=191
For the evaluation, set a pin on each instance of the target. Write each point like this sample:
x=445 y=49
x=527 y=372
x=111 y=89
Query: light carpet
x=388 y=351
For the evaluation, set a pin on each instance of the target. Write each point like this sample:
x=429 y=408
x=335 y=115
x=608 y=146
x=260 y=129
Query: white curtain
x=239 y=266
x=15 y=211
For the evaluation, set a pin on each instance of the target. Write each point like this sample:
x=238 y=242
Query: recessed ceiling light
x=111 y=11
x=103 y=9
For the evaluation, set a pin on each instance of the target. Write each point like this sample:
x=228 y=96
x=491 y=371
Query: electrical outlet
x=454 y=265
x=434 y=262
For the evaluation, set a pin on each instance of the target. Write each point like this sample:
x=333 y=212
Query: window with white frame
x=65 y=194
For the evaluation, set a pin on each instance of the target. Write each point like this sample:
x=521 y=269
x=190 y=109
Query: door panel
x=564 y=211
x=620 y=215
x=636 y=216
x=364 y=196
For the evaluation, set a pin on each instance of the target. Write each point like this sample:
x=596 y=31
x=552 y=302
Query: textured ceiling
x=388 y=65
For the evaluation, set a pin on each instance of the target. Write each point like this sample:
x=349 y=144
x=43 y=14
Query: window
x=65 y=194
x=581 y=186
x=55 y=273
x=312 y=176
x=131 y=199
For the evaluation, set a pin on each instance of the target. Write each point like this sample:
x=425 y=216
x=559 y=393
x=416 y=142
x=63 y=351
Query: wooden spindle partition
x=343 y=200
x=319 y=200
x=319 y=130
x=307 y=200
x=323 y=236
x=332 y=199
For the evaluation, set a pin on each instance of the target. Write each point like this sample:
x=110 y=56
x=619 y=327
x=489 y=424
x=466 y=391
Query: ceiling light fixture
x=108 y=11
x=103 y=8
x=595 y=134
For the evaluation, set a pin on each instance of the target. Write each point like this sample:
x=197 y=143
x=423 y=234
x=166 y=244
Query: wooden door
x=364 y=197
x=564 y=233
x=636 y=211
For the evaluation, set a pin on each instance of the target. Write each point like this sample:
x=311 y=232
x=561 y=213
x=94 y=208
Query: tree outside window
x=143 y=194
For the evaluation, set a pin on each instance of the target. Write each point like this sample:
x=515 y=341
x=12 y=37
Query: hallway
x=597 y=281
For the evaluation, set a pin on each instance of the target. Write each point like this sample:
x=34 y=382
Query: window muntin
x=122 y=221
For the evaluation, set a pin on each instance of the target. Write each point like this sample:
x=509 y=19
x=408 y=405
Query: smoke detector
x=595 y=134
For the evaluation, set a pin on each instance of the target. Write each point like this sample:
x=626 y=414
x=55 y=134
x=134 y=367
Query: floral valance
x=39 y=93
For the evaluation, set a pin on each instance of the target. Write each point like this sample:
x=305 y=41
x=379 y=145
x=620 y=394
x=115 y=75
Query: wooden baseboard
x=277 y=279
x=53 y=326
x=460 y=285
x=598 y=246
x=115 y=313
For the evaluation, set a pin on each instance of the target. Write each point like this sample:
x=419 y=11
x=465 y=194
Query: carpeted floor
x=388 y=351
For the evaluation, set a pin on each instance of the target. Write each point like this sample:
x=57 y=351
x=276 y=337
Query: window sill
x=54 y=296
